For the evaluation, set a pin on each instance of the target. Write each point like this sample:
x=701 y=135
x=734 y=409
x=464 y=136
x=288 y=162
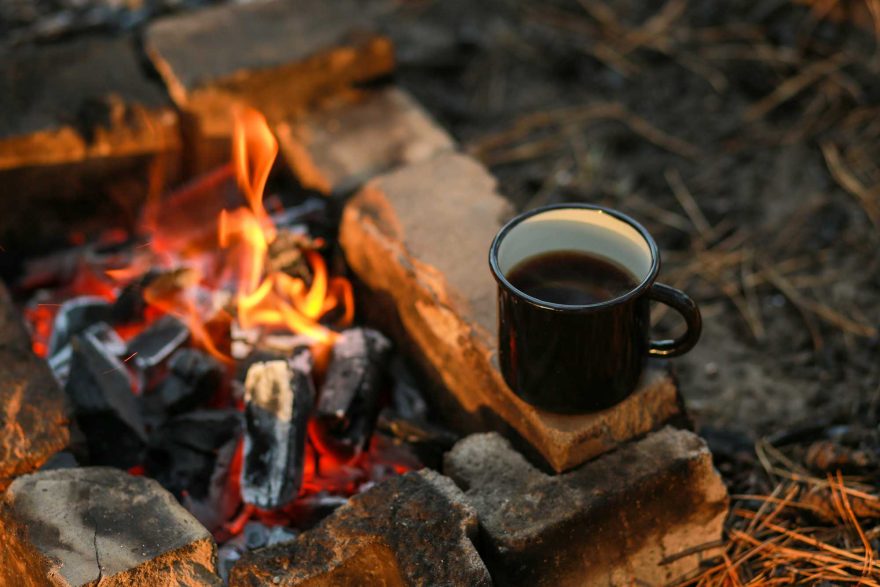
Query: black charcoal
x=130 y=304
x=349 y=401
x=310 y=510
x=74 y=316
x=255 y=535
x=108 y=338
x=106 y=410
x=103 y=332
x=193 y=379
x=60 y=460
x=279 y=397
x=429 y=441
x=156 y=343
x=190 y=456
x=60 y=364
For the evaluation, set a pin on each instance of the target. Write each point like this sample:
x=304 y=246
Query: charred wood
x=157 y=342
x=190 y=456
x=107 y=411
x=279 y=396
x=74 y=316
x=429 y=441
x=349 y=401
x=193 y=379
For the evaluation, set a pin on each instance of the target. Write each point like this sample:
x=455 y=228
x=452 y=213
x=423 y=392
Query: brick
x=326 y=148
x=73 y=114
x=625 y=518
x=90 y=526
x=33 y=415
x=410 y=530
x=418 y=239
x=276 y=56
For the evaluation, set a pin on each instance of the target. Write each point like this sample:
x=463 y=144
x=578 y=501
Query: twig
x=794 y=85
x=688 y=204
x=568 y=117
x=851 y=183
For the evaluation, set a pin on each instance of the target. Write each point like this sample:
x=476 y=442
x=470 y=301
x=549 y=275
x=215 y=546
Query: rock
x=34 y=417
x=418 y=239
x=77 y=119
x=276 y=56
x=411 y=530
x=91 y=526
x=325 y=148
x=622 y=519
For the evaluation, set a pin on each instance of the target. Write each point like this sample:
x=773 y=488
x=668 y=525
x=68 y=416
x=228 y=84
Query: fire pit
x=269 y=375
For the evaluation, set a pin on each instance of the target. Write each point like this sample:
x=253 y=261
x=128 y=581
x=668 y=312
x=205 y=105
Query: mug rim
x=635 y=292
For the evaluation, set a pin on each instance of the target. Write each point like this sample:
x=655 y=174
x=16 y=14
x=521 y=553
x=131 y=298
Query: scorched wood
x=278 y=400
x=106 y=409
x=156 y=343
x=349 y=401
x=74 y=316
x=190 y=455
x=192 y=380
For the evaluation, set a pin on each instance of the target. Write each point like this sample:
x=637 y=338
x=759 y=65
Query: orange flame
x=260 y=297
x=272 y=299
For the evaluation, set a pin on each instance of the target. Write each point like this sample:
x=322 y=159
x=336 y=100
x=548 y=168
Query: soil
x=717 y=125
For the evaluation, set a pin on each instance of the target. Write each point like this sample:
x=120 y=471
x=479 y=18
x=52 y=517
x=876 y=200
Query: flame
x=224 y=260
x=271 y=299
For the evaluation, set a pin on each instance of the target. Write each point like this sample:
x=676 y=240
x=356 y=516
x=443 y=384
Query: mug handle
x=681 y=303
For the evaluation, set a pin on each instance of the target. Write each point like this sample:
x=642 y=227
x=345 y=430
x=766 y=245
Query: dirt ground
x=743 y=135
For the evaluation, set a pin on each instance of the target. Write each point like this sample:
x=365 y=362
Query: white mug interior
x=577 y=229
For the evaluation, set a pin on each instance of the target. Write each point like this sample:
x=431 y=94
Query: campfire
x=213 y=350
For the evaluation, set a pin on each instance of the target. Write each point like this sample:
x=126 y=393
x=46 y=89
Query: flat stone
x=644 y=514
x=33 y=415
x=418 y=239
x=71 y=113
x=196 y=49
x=276 y=56
x=326 y=147
x=96 y=525
x=410 y=530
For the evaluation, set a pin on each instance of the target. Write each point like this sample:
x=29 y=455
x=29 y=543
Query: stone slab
x=80 y=99
x=418 y=239
x=358 y=135
x=410 y=530
x=100 y=526
x=34 y=417
x=72 y=115
x=277 y=56
x=625 y=518
x=196 y=49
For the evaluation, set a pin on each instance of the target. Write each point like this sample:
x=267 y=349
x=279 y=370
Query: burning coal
x=214 y=351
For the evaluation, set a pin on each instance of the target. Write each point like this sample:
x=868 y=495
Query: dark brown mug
x=581 y=358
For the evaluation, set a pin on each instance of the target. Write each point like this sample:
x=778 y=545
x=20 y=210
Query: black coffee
x=573 y=278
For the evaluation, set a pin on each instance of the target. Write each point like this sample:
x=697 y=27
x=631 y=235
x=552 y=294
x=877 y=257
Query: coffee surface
x=573 y=278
